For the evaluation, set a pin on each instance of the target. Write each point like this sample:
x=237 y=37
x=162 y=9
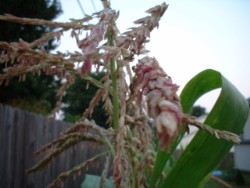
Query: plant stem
x=115 y=98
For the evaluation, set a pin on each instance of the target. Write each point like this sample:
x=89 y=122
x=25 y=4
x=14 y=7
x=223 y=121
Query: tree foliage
x=37 y=94
x=248 y=100
x=77 y=100
x=198 y=111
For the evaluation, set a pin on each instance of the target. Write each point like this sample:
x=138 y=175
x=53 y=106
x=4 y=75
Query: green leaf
x=205 y=152
x=161 y=160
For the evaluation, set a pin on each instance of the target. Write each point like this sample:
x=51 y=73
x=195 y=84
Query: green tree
x=77 y=99
x=37 y=94
x=198 y=111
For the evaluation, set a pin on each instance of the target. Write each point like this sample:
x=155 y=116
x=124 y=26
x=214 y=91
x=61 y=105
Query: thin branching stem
x=32 y=21
x=225 y=135
x=76 y=169
x=70 y=143
x=220 y=182
x=115 y=92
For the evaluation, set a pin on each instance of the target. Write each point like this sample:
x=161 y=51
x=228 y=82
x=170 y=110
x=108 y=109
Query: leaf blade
x=205 y=147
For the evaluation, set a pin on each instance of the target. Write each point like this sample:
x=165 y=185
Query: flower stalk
x=115 y=98
x=115 y=92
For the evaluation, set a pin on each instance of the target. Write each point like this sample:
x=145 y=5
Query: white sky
x=194 y=35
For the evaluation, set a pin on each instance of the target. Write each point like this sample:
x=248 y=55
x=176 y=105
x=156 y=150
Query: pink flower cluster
x=90 y=44
x=136 y=37
x=163 y=104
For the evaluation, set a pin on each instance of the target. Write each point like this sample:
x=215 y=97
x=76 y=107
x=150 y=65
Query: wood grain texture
x=21 y=134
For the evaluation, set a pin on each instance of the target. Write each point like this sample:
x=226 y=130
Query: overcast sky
x=193 y=36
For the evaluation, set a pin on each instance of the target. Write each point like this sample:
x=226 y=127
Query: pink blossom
x=163 y=104
x=89 y=45
x=86 y=67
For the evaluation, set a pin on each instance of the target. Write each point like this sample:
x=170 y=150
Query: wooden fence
x=21 y=134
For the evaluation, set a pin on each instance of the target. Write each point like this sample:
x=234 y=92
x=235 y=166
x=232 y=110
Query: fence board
x=21 y=134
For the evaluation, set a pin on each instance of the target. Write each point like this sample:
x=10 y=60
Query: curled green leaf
x=205 y=152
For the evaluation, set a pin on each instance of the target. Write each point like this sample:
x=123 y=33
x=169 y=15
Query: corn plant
x=146 y=116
